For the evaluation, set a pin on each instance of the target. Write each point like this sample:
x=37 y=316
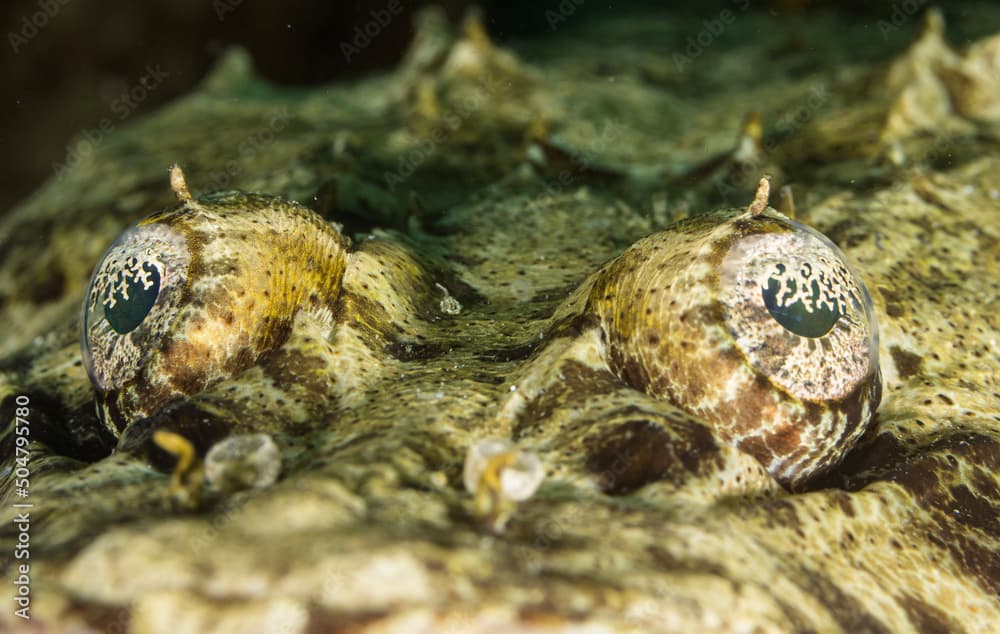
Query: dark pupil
x=126 y=315
x=794 y=316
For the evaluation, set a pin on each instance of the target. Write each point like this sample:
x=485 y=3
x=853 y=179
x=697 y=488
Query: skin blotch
x=926 y=617
x=893 y=302
x=578 y=382
x=907 y=363
x=638 y=452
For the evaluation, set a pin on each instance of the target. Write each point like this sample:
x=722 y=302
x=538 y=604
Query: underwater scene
x=541 y=317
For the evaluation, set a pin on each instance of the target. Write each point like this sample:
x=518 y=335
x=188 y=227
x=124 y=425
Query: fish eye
x=796 y=310
x=801 y=305
x=131 y=300
x=753 y=323
x=131 y=296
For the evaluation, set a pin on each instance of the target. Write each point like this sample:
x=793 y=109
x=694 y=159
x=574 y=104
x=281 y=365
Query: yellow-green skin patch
x=236 y=270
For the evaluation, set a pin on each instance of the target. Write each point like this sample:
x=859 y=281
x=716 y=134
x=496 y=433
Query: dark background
x=69 y=74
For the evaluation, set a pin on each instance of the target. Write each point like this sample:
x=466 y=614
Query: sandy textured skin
x=504 y=182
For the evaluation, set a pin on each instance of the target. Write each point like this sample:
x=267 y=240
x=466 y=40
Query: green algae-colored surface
x=507 y=176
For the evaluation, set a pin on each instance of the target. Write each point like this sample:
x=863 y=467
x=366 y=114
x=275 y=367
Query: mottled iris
x=806 y=314
x=131 y=299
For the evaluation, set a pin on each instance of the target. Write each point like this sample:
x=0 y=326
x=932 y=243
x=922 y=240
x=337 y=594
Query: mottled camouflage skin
x=509 y=182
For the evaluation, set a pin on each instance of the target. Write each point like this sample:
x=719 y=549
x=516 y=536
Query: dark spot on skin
x=304 y=371
x=779 y=513
x=638 y=452
x=579 y=383
x=490 y=379
x=874 y=452
x=322 y=621
x=511 y=353
x=849 y=613
x=842 y=500
x=629 y=456
x=945 y=399
x=99 y=616
x=631 y=370
x=369 y=318
x=666 y=561
x=907 y=363
x=975 y=511
x=893 y=302
x=699 y=451
x=985 y=484
x=926 y=618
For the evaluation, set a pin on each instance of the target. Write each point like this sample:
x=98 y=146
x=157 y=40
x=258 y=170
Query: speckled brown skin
x=255 y=264
x=648 y=520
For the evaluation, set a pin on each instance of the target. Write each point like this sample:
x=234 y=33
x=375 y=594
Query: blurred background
x=69 y=64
